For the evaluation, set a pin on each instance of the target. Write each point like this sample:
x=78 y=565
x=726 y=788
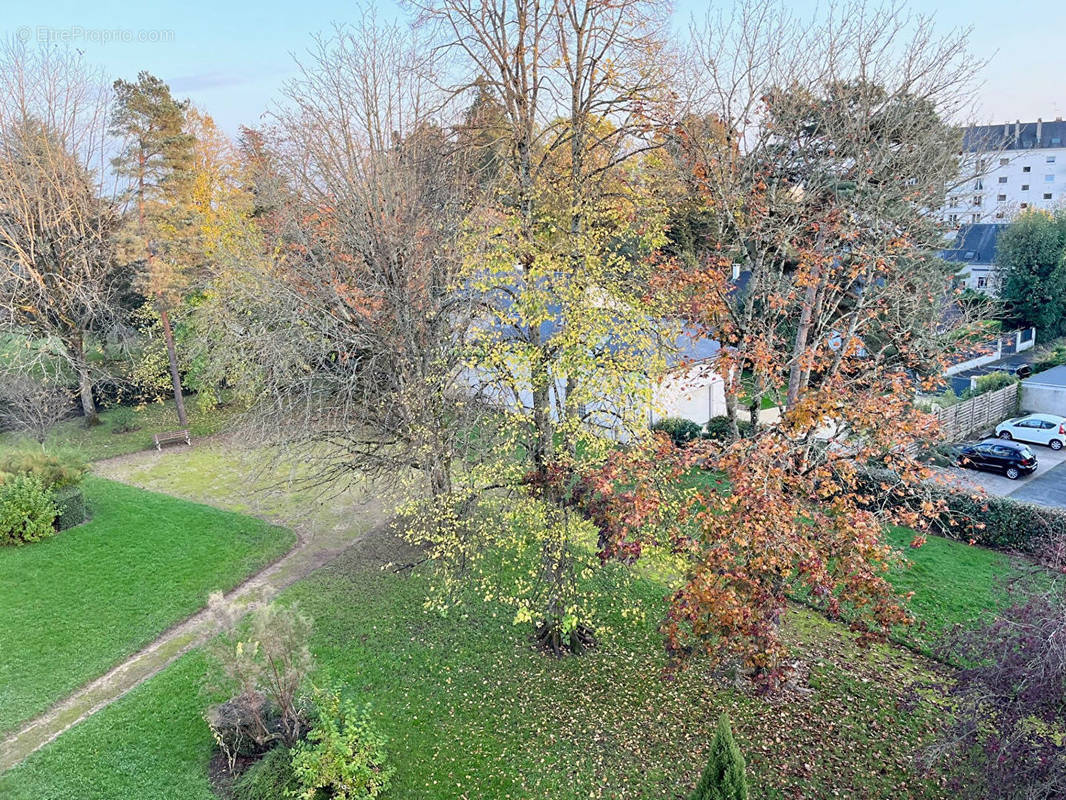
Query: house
x=1018 y=166
x=973 y=249
x=691 y=389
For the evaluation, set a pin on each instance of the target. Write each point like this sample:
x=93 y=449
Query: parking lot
x=1046 y=486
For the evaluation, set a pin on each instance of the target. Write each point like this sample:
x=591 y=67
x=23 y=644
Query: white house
x=973 y=248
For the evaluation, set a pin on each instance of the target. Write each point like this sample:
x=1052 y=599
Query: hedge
x=70 y=503
x=998 y=523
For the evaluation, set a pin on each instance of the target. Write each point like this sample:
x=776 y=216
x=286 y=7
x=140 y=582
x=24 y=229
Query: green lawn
x=73 y=605
x=101 y=441
x=953 y=582
x=472 y=711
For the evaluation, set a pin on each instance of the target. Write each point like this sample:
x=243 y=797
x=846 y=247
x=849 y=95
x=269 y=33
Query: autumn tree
x=156 y=158
x=59 y=281
x=347 y=326
x=835 y=149
x=567 y=345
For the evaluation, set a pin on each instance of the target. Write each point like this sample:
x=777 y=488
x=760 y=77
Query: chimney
x=736 y=271
x=1017 y=130
x=1039 y=129
x=1058 y=119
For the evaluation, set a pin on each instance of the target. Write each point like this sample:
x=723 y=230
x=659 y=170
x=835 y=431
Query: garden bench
x=171 y=438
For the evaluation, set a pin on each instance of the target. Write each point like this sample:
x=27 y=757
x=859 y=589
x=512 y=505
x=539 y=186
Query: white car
x=1039 y=428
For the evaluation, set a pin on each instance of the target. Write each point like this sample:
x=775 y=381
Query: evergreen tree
x=158 y=159
x=723 y=777
x=1030 y=253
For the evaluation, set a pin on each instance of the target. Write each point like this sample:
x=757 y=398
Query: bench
x=171 y=438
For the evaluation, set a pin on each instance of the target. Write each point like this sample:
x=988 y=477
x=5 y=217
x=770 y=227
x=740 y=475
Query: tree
x=32 y=405
x=1031 y=253
x=723 y=777
x=59 y=281
x=568 y=337
x=156 y=158
x=819 y=190
x=347 y=324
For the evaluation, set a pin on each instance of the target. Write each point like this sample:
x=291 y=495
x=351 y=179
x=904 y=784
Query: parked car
x=1013 y=459
x=1037 y=428
x=1017 y=370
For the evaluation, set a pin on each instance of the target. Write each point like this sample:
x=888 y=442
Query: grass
x=471 y=710
x=74 y=605
x=100 y=441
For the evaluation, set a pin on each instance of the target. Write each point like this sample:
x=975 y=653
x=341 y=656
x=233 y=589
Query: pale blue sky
x=231 y=56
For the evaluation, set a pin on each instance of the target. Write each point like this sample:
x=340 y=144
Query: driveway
x=1046 y=486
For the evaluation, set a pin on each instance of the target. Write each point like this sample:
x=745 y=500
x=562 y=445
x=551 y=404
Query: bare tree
x=32 y=406
x=357 y=324
x=59 y=281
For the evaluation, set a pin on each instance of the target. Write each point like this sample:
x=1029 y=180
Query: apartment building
x=1018 y=166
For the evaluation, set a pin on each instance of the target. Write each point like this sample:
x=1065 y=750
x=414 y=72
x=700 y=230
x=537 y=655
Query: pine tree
x=723 y=777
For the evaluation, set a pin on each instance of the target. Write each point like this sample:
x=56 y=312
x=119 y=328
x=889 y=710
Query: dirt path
x=320 y=539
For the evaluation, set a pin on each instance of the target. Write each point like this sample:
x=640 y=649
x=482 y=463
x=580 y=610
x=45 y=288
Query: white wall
x=1044 y=399
x=697 y=394
x=983 y=278
x=1002 y=191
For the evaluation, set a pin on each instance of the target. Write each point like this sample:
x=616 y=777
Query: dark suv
x=1021 y=371
x=1013 y=459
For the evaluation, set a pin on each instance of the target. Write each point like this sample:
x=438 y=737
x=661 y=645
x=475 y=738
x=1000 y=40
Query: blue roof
x=1014 y=136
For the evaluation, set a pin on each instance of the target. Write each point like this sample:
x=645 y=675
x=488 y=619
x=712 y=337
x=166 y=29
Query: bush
x=344 y=755
x=27 y=510
x=70 y=507
x=124 y=420
x=723 y=777
x=989 y=383
x=270 y=778
x=265 y=672
x=718 y=428
x=54 y=472
x=680 y=430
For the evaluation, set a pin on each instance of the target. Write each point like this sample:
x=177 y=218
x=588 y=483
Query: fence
x=983 y=411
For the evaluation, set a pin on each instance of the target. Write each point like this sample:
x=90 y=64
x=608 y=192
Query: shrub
x=723 y=777
x=269 y=778
x=1005 y=731
x=54 y=472
x=989 y=383
x=265 y=672
x=124 y=420
x=344 y=755
x=70 y=507
x=678 y=429
x=27 y=510
x=718 y=428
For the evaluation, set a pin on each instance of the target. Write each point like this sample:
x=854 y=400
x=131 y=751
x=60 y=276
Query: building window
x=1047 y=195
x=1049 y=179
x=1025 y=205
x=981 y=165
x=978 y=186
x=1003 y=179
x=977 y=199
x=1003 y=162
x=982 y=282
x=1056 y=140
x=976 y=218
x=1025 y=187
x=1000 y=215
x=1027 y=169
x=1051 y=159
x=1001 y=197
x=953 y=219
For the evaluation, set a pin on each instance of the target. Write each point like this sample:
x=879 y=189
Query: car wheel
x=1056 y=444
x=1005 y=435
x=1013 y=473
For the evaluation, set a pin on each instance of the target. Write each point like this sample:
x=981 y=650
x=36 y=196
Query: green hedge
x=998 y=523
x=70 y=503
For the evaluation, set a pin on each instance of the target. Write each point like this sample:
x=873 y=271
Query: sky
x=232 y=56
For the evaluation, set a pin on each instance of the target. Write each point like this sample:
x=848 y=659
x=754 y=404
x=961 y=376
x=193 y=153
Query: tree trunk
x=85 y=385
x=799 y=348
x=175 y=376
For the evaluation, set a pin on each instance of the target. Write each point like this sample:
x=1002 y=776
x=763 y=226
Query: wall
x=696 y=394
x=960 y=209
x=1044 y=399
